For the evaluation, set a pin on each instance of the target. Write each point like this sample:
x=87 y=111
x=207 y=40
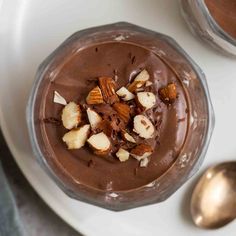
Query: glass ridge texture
x=201 y=117
x=202 y=24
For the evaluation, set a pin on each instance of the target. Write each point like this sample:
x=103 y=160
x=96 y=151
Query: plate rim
x=42 y=195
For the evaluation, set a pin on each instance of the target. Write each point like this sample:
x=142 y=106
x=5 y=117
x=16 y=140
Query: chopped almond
x=76 y=139
x=143 y=127
x=71 y=115
x=141 y=151
x=122 y=154
x=108 y=87
x=59 y=99
x=95 y=96
x=125 y=94
x=105 y=126
x=168 y=94
x=145 y=100
x=100 y=143
x=144 y=162
x=94 y=118
x=127 y=137
x=123 y=111
x=139 y=81
x=148 y=83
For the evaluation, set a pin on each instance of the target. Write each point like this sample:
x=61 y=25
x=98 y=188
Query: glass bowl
x=202 y=24
x=200 y=117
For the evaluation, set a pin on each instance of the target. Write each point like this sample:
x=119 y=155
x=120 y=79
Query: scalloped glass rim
x=201 y=23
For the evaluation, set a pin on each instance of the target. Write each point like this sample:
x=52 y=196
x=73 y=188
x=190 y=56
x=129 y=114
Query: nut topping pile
x=113 y=121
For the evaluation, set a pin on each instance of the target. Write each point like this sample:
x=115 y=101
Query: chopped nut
x=144 y=162
x=122 y=154
x=59 y=99
x=108 y=86
x=148 y=83
x=143 y=127
x=145 y=100
x=168 y=94
x=125 y=94
x=139 y=81
x=127 y=137
x=100 y=143
x=71 y=115
x=76 y=139
x=123 y=111
x=95 y=96
x=94 y=118
x=141 y=151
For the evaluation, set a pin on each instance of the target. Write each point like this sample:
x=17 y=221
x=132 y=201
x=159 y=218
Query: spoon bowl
x=213 y=202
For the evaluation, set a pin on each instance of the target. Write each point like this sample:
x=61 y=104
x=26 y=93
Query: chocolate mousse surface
x=78 y=75
x=224 y=13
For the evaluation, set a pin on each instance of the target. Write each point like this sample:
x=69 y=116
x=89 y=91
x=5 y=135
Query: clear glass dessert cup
x=200 y=117
x=202 y=24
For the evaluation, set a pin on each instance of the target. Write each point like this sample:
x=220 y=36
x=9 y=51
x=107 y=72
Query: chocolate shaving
x=158 y=123
x=52 y=120
x=89 y=81
x=106 y=127
x=91 y=163
x=133 y=60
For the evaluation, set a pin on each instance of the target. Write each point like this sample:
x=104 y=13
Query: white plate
x=31 y=29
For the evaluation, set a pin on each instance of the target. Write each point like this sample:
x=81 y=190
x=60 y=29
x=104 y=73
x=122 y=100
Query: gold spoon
x=213 y=202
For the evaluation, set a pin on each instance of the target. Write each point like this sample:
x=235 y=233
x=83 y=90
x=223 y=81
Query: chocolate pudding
x=119 y=116
x=224 y=13
x=76 y=78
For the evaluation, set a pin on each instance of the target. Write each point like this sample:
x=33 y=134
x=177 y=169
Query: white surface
x=31 y=29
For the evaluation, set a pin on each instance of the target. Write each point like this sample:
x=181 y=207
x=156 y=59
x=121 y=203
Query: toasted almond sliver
x=59 y=99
